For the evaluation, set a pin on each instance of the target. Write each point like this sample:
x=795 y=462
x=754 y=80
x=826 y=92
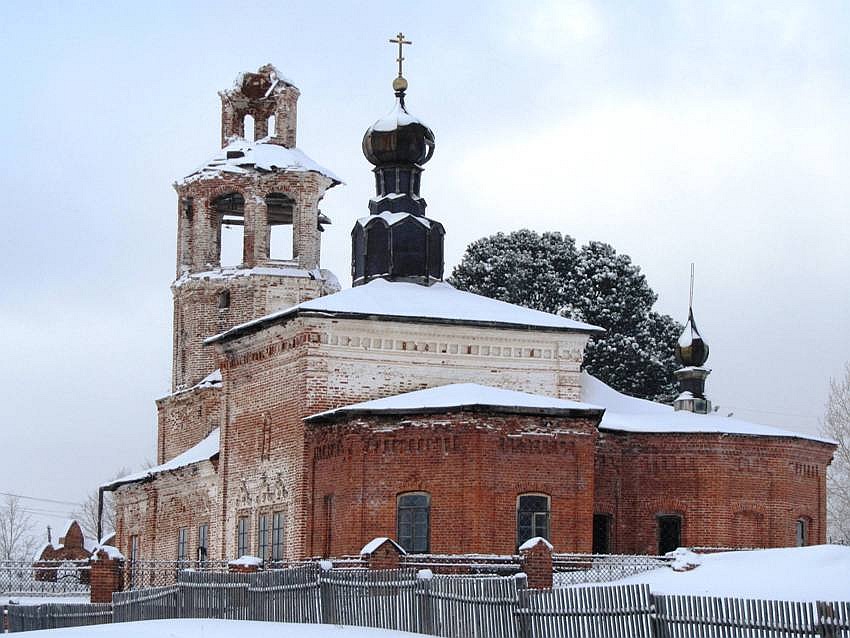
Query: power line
x=45 y=500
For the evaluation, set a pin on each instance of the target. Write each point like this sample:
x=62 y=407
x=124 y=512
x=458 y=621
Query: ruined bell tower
x=248 y=223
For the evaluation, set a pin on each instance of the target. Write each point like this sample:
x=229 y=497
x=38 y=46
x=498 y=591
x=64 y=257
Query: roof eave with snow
x=259 y=324
x=341 y=413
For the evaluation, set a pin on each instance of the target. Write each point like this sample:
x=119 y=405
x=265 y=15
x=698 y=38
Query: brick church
x=305 y=420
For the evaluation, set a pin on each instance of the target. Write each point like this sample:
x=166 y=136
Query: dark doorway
x=601 y=533
x=669 y=533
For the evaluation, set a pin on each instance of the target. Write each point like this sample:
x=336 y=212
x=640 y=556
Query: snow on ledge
x=246 y=561
x=375 y=543
x=533 y=542
x=111 y=552
x=203 y=451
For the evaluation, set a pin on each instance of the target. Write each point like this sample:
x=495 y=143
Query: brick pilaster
x=536 y=562
x=107 y=570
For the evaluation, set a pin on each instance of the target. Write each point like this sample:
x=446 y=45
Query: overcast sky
x=713 y=132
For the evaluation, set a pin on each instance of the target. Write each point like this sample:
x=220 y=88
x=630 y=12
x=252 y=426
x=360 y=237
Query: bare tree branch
x=836 y=424
x=16 y=530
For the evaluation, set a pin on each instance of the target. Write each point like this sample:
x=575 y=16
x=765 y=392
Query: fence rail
x=456 y=606
x=44 y=577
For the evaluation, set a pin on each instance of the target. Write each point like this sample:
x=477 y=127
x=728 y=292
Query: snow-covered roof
x=203 y=451
x=629 y=414
x=462 y=395
x=241 y=156
x=375 y=543
x=393 y=218
x=212 y=380
x=396 y=118
x=439 y=303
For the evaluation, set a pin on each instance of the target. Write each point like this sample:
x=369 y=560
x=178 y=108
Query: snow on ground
x=194 y=628
x=820 y=572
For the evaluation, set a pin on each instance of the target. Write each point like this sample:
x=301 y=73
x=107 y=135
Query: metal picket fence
x=44 y=577
x=456 y=606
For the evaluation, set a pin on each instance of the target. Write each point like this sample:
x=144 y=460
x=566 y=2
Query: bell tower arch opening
x=280 y=209
x=230 y=212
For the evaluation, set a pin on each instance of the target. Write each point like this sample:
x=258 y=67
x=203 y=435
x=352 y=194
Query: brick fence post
x=244 y=565
x=107 y=574
x=382 y=553
x=536 y=561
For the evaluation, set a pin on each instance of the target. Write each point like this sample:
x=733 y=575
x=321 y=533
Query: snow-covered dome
x=398 y=138
x=691 y=348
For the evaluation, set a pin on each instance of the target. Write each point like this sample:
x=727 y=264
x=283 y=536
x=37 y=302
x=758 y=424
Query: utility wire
x=45 y=500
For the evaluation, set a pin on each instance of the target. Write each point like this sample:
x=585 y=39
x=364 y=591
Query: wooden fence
x=457 y=606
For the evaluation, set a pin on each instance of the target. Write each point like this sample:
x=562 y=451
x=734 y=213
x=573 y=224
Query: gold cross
x=399 y=39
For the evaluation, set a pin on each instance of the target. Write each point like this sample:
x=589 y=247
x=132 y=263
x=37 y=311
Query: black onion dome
x=691 y=348
x=398 y=138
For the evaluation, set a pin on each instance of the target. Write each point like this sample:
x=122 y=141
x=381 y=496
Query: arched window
x=224 y=300
x=272 y=123
x=532 y=517
x=248 y=127
x=414 y=521
x=231 y=235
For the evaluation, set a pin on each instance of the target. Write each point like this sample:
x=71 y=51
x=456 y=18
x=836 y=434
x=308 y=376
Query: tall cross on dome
x=399 y=39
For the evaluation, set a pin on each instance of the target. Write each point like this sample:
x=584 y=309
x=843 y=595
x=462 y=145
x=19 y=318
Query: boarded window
x=802 y=529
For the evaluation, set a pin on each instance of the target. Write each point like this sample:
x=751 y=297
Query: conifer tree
x=593 y=284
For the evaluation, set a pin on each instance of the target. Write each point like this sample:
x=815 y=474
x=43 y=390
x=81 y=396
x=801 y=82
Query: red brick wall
x=473 y=465
x=732 y=491
x=185 y=419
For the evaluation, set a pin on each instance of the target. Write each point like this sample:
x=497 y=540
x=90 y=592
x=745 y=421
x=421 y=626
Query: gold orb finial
x=399 y=84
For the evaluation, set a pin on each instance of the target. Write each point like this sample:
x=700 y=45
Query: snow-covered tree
x=836 y=424
x=592 y=284
x=16 y=530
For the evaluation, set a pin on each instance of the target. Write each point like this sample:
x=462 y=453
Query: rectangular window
x=277 y=536
x=802 y=532
x=601 y=534
x=182 y=545
x=669 y=533
x=413 y=517
x=242 y=530
x=263 y=537
x=532 y=517
x=134 y=556
x=203 y=541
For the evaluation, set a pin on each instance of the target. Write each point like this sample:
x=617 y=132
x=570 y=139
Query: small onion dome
x=691 y=349
x=398 y=138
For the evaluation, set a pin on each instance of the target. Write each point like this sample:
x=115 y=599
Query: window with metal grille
x=182 y=538
x=203 y=541
x=414 y=521
x=669 y=533
x=602 y=533
x=242 y=530
x=277 y=536
x=532 y=518
x=263 y=537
